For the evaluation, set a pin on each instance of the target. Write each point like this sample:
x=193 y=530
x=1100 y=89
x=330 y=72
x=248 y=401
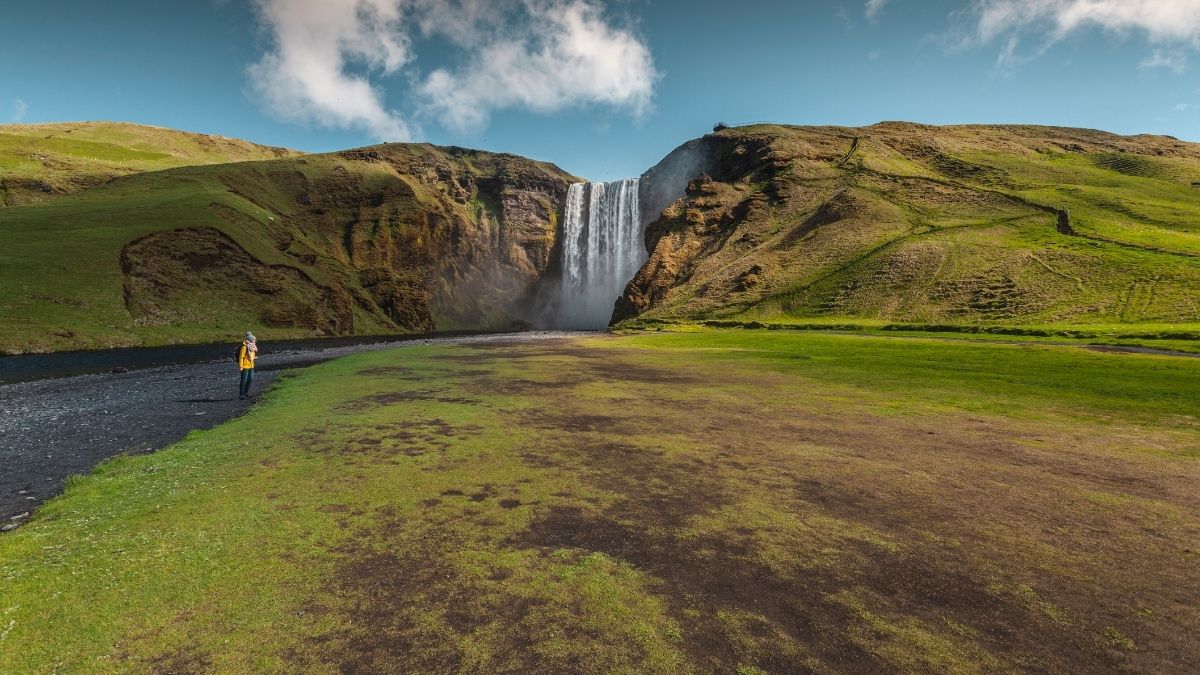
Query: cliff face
x=397 y=237
x=904 y=222
x=377 y=240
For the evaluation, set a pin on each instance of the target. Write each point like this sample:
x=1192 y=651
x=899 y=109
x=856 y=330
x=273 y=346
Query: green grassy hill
x=1049 y=230
x=42 y=161
x=380 y=240
x=928 y=225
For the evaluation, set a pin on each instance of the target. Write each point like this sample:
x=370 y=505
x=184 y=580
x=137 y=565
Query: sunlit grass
x=659 y=502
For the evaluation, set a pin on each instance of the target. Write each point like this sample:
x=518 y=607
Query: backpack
x=237 y=355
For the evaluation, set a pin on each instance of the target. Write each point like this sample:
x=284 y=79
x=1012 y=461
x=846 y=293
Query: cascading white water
x=602 y=250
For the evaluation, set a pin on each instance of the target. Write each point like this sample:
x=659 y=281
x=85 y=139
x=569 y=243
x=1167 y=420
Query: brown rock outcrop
x=917 y=223
x=405 y=237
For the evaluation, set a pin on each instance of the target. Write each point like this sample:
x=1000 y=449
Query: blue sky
x=188 y=65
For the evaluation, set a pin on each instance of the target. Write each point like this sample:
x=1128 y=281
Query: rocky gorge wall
x=383 y=239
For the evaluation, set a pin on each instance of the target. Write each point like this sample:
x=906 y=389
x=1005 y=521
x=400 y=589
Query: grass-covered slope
x=42 y=161
x=1009 y=225
x=720 y=502
x=385 y=239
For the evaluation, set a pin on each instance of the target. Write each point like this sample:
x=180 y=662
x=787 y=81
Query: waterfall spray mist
x=602 y=250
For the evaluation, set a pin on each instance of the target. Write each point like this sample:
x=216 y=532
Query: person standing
x=246 y=357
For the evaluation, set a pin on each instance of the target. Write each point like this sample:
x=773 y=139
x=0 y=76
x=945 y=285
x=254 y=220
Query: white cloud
x=540 y=55
x=1163 y=23
x=1173 y=60
x=1181 y=107
x=1008 y=56
x=844 y=18
x=305 y=76
x=1159 y=20
x=874 y=7
x=563 y=55
x=1169 y=25
x=19 y=108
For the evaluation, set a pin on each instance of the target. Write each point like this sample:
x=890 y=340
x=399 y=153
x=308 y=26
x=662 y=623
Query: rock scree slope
x=914 y=223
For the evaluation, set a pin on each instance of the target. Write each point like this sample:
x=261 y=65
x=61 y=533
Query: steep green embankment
x=42 y=161
x=385 y=239
x=945 y=225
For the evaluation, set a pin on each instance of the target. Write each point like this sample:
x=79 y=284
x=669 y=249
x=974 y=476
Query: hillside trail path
x=53 y=428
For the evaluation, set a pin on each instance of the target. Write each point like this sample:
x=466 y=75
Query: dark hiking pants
x=247 y=378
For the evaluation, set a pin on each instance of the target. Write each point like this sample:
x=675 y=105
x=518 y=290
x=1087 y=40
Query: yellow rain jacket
x=246 y=356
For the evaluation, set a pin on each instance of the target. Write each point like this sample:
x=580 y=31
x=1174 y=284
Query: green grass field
x=39 y=162
x=1178 y=337
x=707 y=501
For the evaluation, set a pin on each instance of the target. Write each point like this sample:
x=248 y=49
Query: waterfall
x=602 y=250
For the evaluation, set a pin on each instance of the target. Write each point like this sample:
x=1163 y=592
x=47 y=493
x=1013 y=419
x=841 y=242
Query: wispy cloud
x=19 y=108
x=842 y=16
x=874 y=7
x=562 y=55
x=540 y=55
x=1173 y=60
x=1173 y=24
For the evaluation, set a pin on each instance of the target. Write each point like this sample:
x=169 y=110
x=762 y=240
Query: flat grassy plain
x=710 y=501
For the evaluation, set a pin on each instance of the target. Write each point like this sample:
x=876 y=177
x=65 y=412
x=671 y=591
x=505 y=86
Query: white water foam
x=602 y=250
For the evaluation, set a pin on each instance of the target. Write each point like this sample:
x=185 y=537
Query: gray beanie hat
x=249 y=336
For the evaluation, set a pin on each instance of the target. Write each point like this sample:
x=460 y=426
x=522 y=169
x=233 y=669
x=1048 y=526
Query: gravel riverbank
x=52 y=429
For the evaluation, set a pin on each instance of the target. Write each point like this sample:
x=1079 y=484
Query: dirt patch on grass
x=391 y=372
x=182 y=660
x=781 y=531
x=474 y=355
x=391 y=594
x=701 y=576
x=407 y=603
x=617 y=371
x=391 y=398
x=803 y=613
x=459 y=400
x=398 y=397
x=937 y=576
x=574 y=422
x=502 y=353
x=516 y=387
x=411 y=438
